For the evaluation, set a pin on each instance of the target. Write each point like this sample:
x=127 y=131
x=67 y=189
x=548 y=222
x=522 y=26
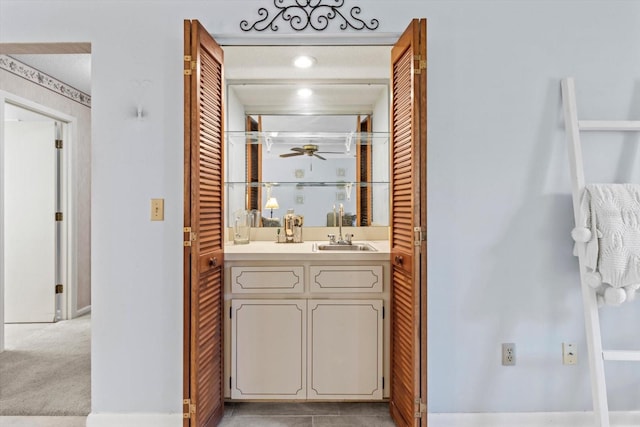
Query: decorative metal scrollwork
x=302 y=14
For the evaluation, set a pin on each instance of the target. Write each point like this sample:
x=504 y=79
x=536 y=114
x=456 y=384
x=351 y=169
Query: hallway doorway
x=62 y=338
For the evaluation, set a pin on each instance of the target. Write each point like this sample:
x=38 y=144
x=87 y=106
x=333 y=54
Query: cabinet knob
x=399 y=259
x=213 y=262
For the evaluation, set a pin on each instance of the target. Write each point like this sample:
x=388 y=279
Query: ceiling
x=344 y=79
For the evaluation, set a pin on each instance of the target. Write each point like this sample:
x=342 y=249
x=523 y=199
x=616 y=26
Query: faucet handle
x=348 y=237
x=332 y=238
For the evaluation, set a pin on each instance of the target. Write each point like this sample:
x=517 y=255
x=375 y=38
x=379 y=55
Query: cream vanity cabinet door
x=268 y=353
x=344 y=349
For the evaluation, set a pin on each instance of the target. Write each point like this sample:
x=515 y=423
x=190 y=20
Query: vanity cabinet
x=308 y=331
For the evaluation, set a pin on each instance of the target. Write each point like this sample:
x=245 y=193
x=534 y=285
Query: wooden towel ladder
x=597 y=355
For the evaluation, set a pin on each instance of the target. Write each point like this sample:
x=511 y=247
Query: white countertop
x=272 y=251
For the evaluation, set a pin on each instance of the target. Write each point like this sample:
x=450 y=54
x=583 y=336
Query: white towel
x=611 y=212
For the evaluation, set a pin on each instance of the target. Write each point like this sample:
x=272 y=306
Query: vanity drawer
x=280 y=279
x=345 y=278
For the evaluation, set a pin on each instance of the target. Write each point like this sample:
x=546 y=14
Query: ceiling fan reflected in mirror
x=309 y=150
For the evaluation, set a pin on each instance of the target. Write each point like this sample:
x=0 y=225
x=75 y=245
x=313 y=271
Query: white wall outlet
x=569 y=354
x=508 y=354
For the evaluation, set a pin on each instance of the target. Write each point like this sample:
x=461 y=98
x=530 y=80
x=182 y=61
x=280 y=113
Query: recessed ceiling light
x=305 y=92
x=304 y=61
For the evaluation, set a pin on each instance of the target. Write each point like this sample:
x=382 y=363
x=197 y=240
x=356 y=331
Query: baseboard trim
x=531 y=419
x=134 y=420
x=520 y=419
x=82 y=311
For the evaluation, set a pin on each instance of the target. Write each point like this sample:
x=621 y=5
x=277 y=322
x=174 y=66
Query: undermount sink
x=353 y=247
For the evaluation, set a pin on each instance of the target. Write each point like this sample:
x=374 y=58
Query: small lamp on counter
x=272 y=204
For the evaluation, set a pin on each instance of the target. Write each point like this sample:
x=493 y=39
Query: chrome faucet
x=346 y=240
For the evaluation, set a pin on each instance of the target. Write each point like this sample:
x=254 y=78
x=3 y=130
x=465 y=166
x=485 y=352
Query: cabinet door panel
x=345 y=349
x=346 y=278
x=280 y=279
x=268 y=353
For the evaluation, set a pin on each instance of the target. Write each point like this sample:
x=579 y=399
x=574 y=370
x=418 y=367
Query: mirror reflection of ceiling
x=326 y=98
x=344 y=79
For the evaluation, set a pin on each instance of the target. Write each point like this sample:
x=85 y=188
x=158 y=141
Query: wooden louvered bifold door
x=204 y=241
x=408 y=206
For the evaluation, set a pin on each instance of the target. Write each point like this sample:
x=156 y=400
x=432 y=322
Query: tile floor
x=241 y=414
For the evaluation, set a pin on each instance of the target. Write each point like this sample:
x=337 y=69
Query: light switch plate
x=569 y=354
x=157 y=209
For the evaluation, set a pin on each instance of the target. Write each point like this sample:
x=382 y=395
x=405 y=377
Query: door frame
x=387 y=39
x=68 y=202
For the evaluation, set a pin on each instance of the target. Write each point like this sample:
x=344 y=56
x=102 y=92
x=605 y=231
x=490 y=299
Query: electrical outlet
x=569 y=354
x=508 y=354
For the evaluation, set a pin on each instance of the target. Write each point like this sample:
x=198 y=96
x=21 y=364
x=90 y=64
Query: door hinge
x=420 y=236
x=59 y=288
x=420 y=408
x=190 y=408
x=58 y=216
x=192 y=236
x=59 y=144
x=192 y=66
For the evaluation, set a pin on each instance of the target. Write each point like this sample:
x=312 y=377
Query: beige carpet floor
x=46 y=368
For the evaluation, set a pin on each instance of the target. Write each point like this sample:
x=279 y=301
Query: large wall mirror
x=308 y=139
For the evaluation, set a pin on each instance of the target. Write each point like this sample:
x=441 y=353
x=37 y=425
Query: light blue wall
x=500 y=264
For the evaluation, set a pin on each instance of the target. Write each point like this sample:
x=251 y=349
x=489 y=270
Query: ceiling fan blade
x=320 y=157
x=292 y=154
x=330 y=152
x=298 y=149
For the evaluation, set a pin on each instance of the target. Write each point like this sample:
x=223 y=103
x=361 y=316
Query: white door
x=29 y=221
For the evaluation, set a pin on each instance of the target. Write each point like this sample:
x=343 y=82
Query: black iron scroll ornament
x=301 y=14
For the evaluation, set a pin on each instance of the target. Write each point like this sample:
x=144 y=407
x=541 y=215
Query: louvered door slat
x=203 y=134
x=408 y=139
